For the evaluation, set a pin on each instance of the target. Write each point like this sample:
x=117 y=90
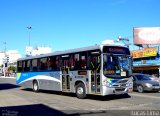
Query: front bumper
x=153 y=88
x=116 y=91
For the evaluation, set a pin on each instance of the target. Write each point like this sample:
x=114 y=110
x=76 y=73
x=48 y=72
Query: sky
x=68 y=24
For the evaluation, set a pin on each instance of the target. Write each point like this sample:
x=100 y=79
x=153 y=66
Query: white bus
x=97 y=70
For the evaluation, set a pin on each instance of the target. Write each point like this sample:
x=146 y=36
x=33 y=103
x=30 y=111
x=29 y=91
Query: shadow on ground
x=108 y=97
x=30 y=110
x=43 y=110
x=93 y=97
x=154 y=91
x=4 y=86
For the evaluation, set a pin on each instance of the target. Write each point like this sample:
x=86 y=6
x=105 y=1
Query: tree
x=12 y=68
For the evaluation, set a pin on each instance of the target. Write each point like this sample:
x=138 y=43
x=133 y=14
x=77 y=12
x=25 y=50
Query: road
x=15 y=100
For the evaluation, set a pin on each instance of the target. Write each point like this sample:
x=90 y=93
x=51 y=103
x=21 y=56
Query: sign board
x=116 y=50
x=146 y=52
x=150 y=35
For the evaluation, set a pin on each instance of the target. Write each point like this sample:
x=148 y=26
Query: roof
x=67 y=51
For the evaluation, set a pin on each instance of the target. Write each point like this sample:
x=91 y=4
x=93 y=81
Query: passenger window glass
x=20 y=66
x=43 y=64
x=94 y=60
x=24 y=65
x=28 y=65
x=72 y=62
x=77 y=62
x=66 y=62
x=53 y=63
x=83 y=61
x=34 y=65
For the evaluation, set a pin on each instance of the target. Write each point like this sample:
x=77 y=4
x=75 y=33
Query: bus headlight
x=106 y=83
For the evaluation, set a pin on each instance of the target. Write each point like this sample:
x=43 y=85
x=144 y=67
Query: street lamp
x=29 y=28
x=4 y=47
x=4 y=60
x=124 y=40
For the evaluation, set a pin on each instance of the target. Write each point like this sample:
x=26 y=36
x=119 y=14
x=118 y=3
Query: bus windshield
x=117 y=65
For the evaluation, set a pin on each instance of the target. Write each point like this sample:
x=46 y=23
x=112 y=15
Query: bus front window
x=116 y=65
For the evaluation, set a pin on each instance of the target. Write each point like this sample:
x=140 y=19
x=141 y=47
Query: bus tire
x=35 y=86
x=80 y=91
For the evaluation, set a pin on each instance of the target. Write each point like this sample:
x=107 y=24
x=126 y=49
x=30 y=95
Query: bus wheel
x=35 y=86
x=80 y=91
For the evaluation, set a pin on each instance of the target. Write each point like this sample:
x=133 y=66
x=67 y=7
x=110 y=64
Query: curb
x=8 y=77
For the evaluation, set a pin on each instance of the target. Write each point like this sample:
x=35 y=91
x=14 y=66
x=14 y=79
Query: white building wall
x=12 y=54
x=33 y=51
x=1 y=57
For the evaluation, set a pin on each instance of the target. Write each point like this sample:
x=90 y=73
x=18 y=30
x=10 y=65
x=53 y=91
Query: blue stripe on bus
x=26 y=75
x=114 y=80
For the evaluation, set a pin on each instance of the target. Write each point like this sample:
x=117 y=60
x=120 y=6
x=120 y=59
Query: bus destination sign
x=116 y=50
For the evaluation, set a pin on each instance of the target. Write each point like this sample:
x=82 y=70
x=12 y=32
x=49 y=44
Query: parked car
x=1 y=74
x=155 y=78
x=143 y=82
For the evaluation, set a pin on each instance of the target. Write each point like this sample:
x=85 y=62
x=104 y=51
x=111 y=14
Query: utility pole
x=124 y=40
x=28 y=48
x=29 y=28
x=4 y=59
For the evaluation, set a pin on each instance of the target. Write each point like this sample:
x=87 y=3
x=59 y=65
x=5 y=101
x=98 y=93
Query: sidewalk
x=8 y=77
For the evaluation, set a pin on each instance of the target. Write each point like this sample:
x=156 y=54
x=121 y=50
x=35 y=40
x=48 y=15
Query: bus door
x=65 y=73
x=95 y=73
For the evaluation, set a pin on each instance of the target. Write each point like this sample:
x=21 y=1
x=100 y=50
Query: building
x=33 y=51
x=10 y=56
x=147 y=60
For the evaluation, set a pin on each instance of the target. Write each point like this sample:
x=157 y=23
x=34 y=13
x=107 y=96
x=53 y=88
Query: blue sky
x=67 y=24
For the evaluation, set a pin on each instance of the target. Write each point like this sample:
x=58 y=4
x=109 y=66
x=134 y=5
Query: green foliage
x=12 y=68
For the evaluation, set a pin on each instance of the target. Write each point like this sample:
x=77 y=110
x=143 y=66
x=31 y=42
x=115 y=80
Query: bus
x=98 y=70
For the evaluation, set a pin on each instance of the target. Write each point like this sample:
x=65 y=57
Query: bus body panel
x=118 y=86
x=46 y=80
x=65 y=78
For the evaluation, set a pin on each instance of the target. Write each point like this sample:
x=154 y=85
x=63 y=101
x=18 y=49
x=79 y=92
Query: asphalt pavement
x=17 y=101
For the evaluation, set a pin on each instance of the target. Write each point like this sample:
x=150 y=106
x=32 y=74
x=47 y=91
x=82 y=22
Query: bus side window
x=72 y=62
x=43 y=64
x=90 y=61
x=23 y=64
x=34 y=65
x=20 y=66
x=94 y=60
x=57 y=64
x=26 y=65
x=77 y=62
x=83 y=61
x=53 y=63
